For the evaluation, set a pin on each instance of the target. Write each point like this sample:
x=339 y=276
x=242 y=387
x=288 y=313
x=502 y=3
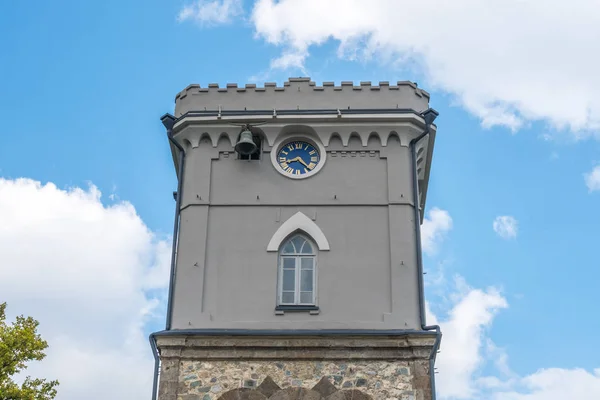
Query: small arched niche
x=393 y=139
x=335 y=141
x=374 y=140
x=206 y=140
x=224 y=141
x=354 y=141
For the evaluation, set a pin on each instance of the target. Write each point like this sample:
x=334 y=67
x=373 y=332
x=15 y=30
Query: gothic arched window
x=297 y=271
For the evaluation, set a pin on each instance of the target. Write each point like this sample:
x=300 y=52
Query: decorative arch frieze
x=275 y=133
x=298 y=222
x=421 y=149
x=195 y=135
x=379 y=137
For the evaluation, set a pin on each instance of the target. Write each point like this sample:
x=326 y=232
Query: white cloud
x=556 y=384
x=211 y=12
x=507 y=62
x=506 y=226
x=289 y=60
x=592 y=179
x=84 y=271
x=467 y=348
x=463 y=340
x=436 y=224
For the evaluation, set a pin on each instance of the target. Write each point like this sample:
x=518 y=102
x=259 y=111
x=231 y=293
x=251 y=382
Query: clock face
x=298 y=158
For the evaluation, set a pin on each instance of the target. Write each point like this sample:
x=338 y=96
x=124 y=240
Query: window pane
x=287 y=297
x=298 y=242
x=307 y=262
x=306 y=297
x=306 y=280
x=289 y=279
x=307 y=249
x=288 y=248
x=289 y=263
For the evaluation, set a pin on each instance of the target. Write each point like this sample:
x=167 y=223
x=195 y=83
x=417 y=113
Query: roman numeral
x=284 y=165
x=289 y=169
x=314 y=159
x=312 y=152
x=297 y=172
x=290 y=147
x=283 y=159
x=284 y=152
x=299 y=145
x=311 y=165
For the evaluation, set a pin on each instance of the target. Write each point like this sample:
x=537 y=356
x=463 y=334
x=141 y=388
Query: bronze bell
x=245 y=145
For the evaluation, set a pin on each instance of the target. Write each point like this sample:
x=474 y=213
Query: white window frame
x=298 y=271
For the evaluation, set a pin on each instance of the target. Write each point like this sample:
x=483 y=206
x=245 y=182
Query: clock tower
x=296 y=269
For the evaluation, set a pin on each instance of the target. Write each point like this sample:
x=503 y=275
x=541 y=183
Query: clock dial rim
x=305 y=162
x=280 y=143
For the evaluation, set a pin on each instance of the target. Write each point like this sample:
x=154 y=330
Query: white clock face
x=298 y=157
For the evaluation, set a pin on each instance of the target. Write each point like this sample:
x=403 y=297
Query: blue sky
x=83 y=85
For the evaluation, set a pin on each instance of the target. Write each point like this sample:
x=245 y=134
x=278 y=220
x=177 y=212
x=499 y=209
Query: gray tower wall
x=361 y=200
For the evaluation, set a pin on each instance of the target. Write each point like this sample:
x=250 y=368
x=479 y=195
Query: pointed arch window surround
x=297 y=272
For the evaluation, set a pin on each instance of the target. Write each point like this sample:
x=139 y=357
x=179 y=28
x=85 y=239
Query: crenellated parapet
x=302 y=94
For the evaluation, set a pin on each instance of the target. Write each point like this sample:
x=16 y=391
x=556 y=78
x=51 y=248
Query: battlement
x=302 y=94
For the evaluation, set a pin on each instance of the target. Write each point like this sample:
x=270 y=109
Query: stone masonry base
x=295 y=368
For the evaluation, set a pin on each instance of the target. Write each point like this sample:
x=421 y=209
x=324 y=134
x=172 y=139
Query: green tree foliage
x=19 y=344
